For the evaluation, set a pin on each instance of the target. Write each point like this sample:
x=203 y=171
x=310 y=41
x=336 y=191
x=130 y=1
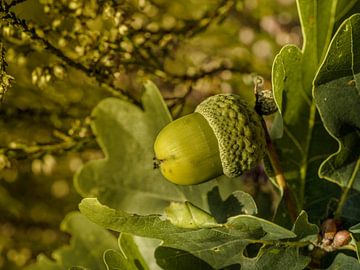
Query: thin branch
x=203 y=74
x=14 y=3
x=99 y=74
x=279 y=176
x=22 y=151
x=346 y=190
x=289 y=199
x=223 y=7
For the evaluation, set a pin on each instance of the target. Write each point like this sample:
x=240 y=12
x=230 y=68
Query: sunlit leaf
x=128 y=257
x=126 y=178
x=218 y=246
x=88 y=243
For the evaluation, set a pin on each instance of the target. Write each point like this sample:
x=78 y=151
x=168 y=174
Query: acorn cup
x=223 y=136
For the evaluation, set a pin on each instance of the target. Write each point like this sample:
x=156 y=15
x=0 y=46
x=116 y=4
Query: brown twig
x=279 y=176
x=274 y=159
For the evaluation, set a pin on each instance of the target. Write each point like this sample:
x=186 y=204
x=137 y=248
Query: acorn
x=328 y=229
x=342 y=238
x=223 y=136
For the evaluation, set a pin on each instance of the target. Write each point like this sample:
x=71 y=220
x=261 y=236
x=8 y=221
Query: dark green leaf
x=337 y=95
x=305 y=142
x=343 y=261
x=176 y=259
x=237 y=203
x=304 y=230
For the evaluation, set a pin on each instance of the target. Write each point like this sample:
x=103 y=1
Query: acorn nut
x=342 y=238
x=223 y=136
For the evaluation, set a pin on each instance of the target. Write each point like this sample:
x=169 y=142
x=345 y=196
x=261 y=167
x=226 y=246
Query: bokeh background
x=67 y=55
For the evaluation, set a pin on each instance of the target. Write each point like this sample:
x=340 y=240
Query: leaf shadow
x=237 y=203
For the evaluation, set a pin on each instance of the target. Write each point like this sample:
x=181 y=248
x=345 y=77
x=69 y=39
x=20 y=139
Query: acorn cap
x=239 y=132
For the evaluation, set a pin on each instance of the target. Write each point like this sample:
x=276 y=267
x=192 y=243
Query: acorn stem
x=279 y=175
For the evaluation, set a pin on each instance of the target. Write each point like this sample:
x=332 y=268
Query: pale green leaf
x=219 y=246
x=317 y=19
x=187 y=215
x=88 y=243
x=126 y=178
x=128 y=257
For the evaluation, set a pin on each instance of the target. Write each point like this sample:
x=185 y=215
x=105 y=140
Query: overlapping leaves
x=219 y=245
x=337 y=95
x=126 y=178
x=89 y=241
x=91 y=247
x=305 y=142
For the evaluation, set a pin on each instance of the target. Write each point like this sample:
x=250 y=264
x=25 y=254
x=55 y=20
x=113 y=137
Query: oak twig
x=290 y=202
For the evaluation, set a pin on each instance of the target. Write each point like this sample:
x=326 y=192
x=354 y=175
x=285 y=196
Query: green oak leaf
x=128 y=257
x=305 y=142
x=176 y=259
x=337 y=96
x=187 y=215
x=343 y=261
x=239 y=202
x=304 y=230
x=126 y=178
x=219 y=246
x=88 y=243
x=345 y=9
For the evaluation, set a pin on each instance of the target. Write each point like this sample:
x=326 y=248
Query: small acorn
x=328 y=229
x=223 y=136
x=342 y=238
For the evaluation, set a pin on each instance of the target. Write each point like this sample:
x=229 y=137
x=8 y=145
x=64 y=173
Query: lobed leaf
x=343 y=261
x=239 y=202
x=219 y=246
x=305 y=142
x=128 y=257
x=126 y=178
x=88 y=243
x=337 y=96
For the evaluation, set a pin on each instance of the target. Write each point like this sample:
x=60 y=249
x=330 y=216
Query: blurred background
x=67 y=55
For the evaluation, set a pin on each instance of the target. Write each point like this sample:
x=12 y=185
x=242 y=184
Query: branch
x=22 y=151
x=289 y=199
x=279 y=176
x=14 y=3
x=99 y=74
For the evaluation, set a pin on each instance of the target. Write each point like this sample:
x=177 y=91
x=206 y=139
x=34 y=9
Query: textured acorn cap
x=238 y=130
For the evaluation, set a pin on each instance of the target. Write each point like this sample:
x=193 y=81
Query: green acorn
x=223 y=136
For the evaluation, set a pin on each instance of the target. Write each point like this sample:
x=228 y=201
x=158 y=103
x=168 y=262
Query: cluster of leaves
x=44 y=118
x=214 y=225
x=305 y=82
